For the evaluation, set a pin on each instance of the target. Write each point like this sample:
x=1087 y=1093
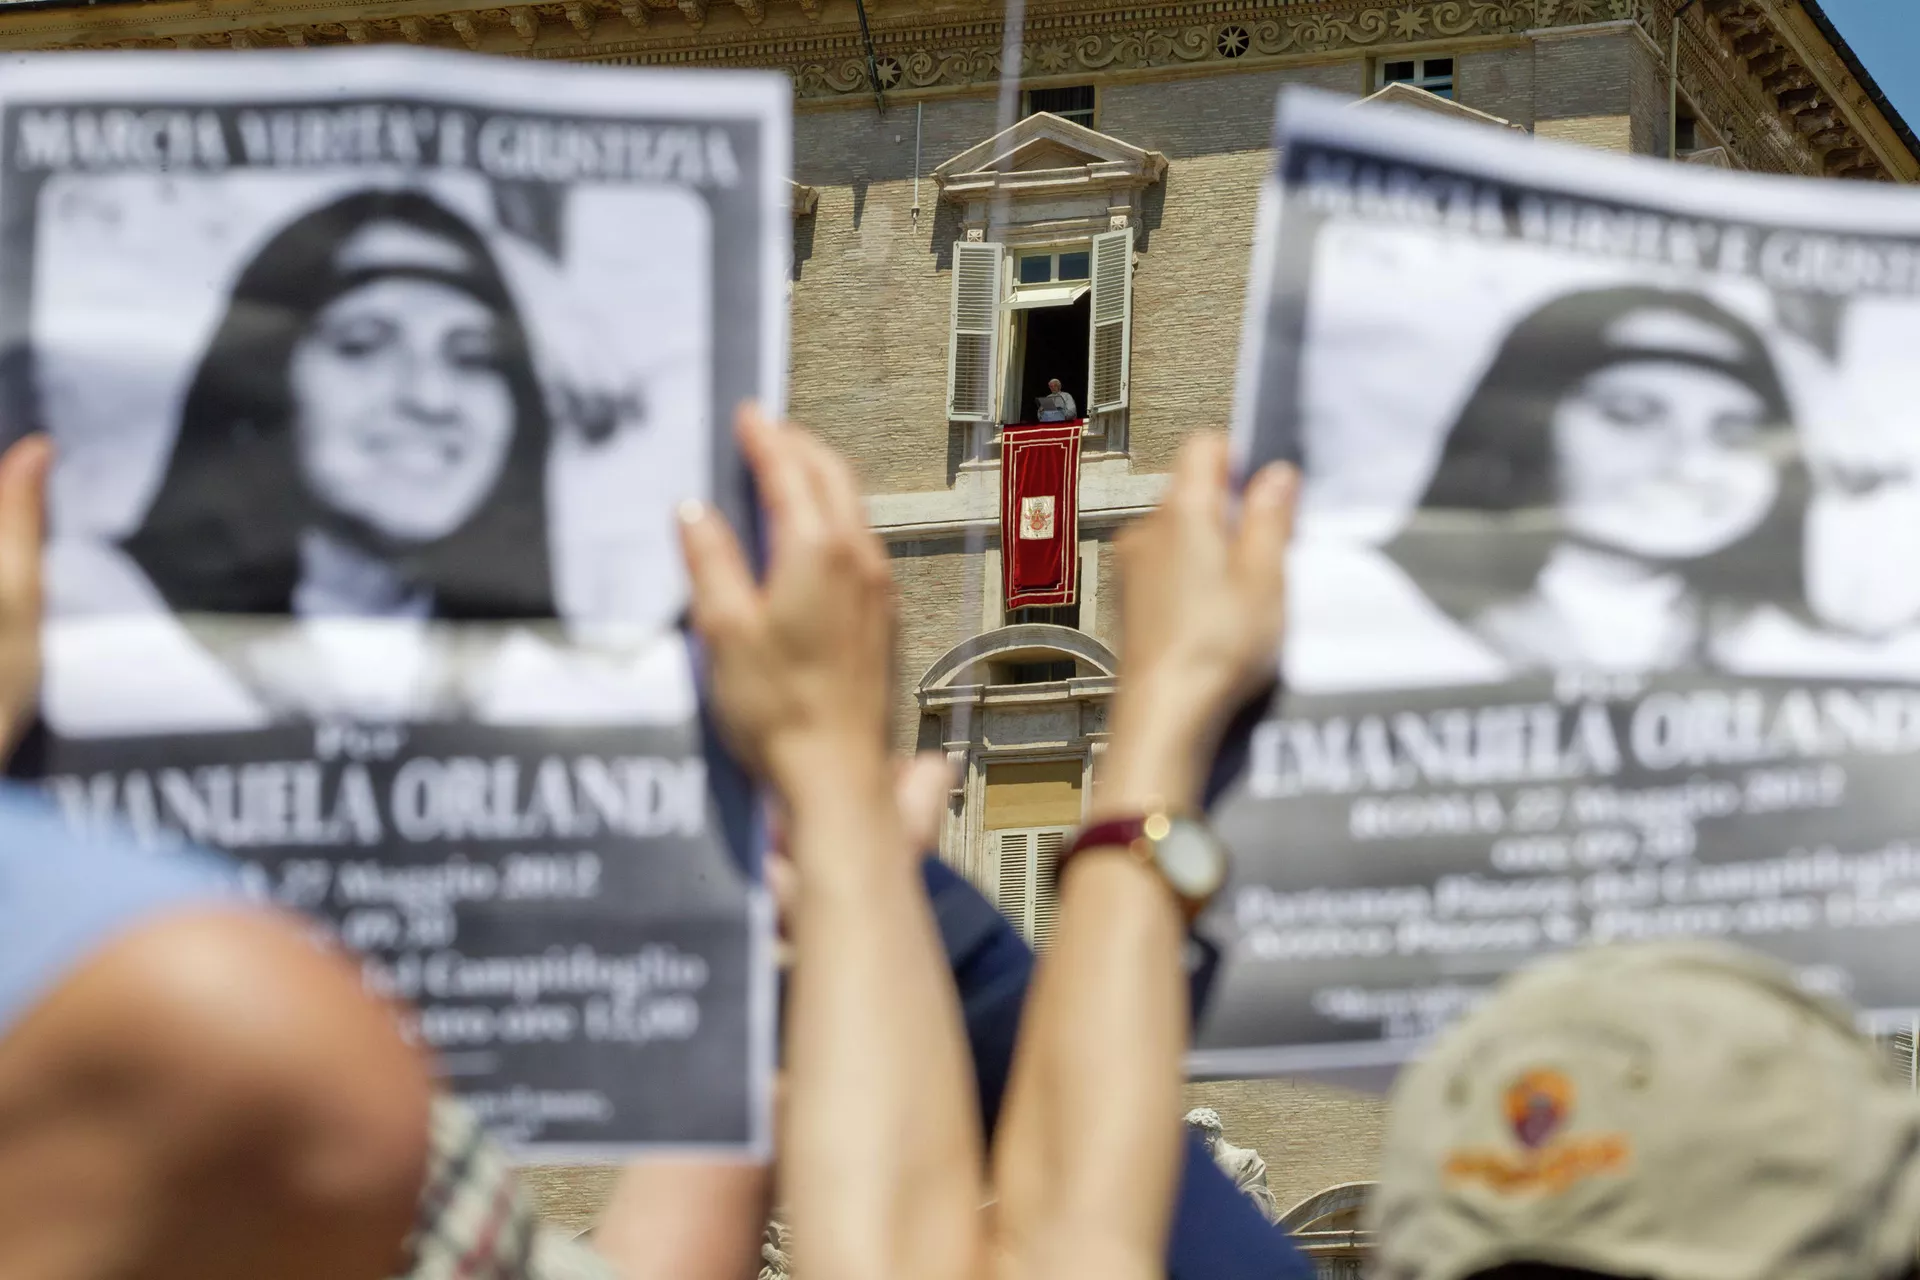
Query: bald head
x=212 y=1096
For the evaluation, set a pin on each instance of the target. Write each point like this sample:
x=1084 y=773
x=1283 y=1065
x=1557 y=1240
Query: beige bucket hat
x=1673 y=1111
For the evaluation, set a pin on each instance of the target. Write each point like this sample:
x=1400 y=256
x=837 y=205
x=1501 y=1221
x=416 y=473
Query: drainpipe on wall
x=873 y=68
x=1673 y=84
x=918 y=107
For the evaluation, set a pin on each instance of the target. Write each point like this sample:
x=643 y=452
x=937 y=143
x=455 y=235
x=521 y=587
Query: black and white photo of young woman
x=1590 y=467
x=1603 y=499
x=1640 y=478
x=373 y=443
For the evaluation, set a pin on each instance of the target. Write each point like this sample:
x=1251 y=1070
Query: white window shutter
x=1112 y=308
x=1048 y=846
x=1906 y=1054
x=973 y=343
x=1024 y=889
x=1011 y=887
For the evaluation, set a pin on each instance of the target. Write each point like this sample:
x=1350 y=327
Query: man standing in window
x=1056 y=405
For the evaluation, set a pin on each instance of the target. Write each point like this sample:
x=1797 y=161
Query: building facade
x=960 y=239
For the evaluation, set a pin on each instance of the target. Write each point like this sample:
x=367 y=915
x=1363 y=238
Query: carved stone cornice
x=817 y=41
x=1074 y=41
x=1748 y=65
x=1779 y=97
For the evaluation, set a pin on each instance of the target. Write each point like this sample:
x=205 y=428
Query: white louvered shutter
x=1024 y=887
x=973 y=344
x=1011 y=891
x=1048 y=845
x=1112 y=308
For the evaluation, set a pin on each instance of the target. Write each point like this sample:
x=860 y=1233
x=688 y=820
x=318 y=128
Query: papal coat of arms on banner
x=1036 y=518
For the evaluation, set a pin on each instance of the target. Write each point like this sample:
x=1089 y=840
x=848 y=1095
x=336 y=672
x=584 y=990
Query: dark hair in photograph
x=222 y=533
x=1499 y=456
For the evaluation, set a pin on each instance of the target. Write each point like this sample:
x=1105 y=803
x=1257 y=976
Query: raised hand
x=1202 y=608
x=800 y=663
x=880 y=1146
x=23 y=487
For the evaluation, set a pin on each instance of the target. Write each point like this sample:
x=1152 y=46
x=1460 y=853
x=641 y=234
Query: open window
x=1059 y=312
x=1047 y=333
x=1049 y=206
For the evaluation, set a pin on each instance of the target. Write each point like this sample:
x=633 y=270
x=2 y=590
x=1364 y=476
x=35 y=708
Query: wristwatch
x=1182 y=852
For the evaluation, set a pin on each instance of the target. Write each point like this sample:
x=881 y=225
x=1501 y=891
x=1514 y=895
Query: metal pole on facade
x=917 y=108
x=873 y=67
x=1673 y=84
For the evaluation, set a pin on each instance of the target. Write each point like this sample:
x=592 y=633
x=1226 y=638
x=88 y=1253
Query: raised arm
x=881 y=1149
x=1089 y=1159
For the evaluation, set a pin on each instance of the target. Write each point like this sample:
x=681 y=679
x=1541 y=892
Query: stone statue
x=776 y=1261
x=1244 y=1166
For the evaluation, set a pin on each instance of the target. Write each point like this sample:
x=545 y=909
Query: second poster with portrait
x=1602 y=618
x=375 y=379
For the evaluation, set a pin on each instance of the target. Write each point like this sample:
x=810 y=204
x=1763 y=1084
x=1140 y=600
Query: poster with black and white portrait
x=1603 y=623
x=375 y=379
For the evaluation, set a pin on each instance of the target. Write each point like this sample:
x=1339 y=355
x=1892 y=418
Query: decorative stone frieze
x=1773 y=94
x=1773 y=103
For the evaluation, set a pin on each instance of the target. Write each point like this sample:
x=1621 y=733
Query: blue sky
x=1885 y=35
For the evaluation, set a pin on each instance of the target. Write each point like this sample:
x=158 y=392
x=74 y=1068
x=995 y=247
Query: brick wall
x=1583 y=88
x=570 y=1197
x=1105 y=624
x=940 y=593
x=872 y=287
x=1647 y=72
x=1198 y=234
x=1497 y=81
x=878 y=389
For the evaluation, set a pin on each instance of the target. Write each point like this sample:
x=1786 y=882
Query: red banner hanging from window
x=1040 y=514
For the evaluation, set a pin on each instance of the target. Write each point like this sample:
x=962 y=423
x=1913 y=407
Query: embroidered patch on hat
x=1538 y=1103
x=1537 y=1106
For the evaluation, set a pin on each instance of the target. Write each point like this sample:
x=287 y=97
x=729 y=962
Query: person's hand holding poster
x=374 y=381
x=1601 y=624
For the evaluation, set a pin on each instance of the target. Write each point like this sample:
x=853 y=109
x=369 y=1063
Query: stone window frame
x=979 y=725
x=1026 y=102
x=1422 y=79
x=1023 y=210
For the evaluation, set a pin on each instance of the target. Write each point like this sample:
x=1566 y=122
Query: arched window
x=1327 y=1228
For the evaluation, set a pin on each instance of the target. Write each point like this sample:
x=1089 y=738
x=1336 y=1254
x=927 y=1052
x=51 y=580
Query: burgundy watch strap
x=1119 y=832
x=1123 y=833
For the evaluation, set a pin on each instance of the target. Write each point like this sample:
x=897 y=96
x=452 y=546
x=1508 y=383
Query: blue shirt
x=65 y=895
x=1218 y=1233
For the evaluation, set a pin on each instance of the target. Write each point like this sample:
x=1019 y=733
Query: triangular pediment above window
x=1045 y=154
x=1408 y=96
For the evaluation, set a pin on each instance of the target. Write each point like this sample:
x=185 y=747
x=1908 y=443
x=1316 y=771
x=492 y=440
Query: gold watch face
x=1191 y=859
